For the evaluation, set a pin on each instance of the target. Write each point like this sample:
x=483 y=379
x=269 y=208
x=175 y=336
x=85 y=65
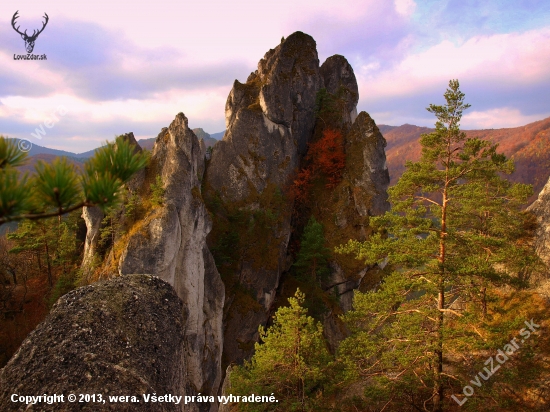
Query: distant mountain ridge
x=209 y=140
x=528 y=146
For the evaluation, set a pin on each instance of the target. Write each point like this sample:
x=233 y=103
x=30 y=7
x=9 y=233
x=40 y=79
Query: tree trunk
x=50 y=277
x=438 y=384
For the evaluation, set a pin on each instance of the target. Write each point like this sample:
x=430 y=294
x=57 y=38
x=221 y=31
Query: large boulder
x=125 y=336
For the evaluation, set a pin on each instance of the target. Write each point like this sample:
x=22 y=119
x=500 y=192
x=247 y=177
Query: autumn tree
x=291 y=362
x=39 y=239
x=455 y=232
x=325 y=163
x=39 y=262
x=327 y=157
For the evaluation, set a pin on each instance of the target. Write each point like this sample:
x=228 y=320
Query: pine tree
x=157 y=192
x=53 y=242
x=56 y=188
x=312 y=259
x=39 y=238
x=291 y=362
x=455 y=232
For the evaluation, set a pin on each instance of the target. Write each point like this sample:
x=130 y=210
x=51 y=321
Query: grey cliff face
x=119 y=337
x=289 y=77
x=170 y=242
x=339 y=79
x=541 y=208
x=267 y=120
x=372 y=177
x=361 y=194
x=270 y=120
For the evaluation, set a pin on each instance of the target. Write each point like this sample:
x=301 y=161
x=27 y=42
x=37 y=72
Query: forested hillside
x=528 y=146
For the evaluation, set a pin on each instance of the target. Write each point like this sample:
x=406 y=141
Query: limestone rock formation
x=541 y=208
x=267 y=118
x=367 y=169
x=170 y=242
x=345 y=212
x=270 y=121
x=92 y=217
x=339 y=79
x=119 y=337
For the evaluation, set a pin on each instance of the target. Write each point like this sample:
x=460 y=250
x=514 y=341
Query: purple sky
x=118 y=66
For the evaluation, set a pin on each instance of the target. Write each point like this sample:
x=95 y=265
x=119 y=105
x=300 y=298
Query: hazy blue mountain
x=209 y=140
x=37 y=149
x=85 y=155
x=218 y=136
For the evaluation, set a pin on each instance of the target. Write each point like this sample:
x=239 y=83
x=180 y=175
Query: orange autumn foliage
x=325 y=159
x=301 y=185
x=327 y=156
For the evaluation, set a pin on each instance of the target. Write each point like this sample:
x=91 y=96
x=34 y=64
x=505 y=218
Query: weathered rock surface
x=270 y=120
x=339 y=79
x=541 y=208
x=92 y=217
x=170 y=242
x=289 y=78
x=119 y=337
x=345 y=214
x=267 y=119
x=365 y=144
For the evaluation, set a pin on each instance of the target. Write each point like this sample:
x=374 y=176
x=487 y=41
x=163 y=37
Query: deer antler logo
x=29 y=40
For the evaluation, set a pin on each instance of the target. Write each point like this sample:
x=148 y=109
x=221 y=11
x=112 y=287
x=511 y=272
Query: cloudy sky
x=118 y=66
